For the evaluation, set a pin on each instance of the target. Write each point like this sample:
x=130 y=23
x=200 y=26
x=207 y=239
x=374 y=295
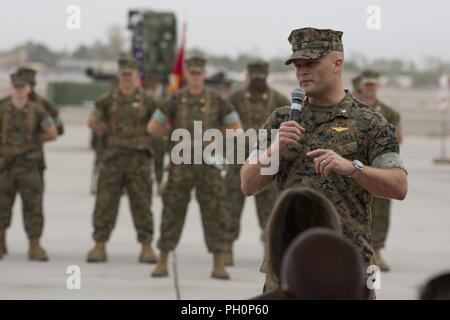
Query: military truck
x=154 y=44
x=154 y=41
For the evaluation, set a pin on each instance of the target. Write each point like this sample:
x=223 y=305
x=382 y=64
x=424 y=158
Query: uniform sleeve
x=396 y=119
x=228 y=114
x=54 y=113
x=99 y=111
x=282 y=101
x=381 y=139
x=165 y=111
x=50 y=108
x=234 y=100
x=44 y=119
x=267 y=132
x=151 y=104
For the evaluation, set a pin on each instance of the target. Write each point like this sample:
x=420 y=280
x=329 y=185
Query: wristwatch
x=359 y=166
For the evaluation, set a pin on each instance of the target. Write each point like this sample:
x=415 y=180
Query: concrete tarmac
x=417 y=248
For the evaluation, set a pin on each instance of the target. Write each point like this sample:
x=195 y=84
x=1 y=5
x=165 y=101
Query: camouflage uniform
x=159 y=149
x=53 y=112
x=29 y=76
x=20 y=164
x=125 y=163
x=354 y=131
x=356 y=82
x=253 y=108
x=381 y=208
x=182 y=109
x=351 y=129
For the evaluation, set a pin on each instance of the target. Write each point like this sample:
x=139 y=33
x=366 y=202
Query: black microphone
x=296 y=107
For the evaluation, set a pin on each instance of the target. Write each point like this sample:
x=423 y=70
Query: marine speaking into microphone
x=298 y=95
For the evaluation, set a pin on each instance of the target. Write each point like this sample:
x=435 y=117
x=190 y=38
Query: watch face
x=358 y=164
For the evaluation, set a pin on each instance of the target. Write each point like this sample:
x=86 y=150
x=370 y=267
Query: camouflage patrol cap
x=28 y=73
x=18 y=80
x=195 y=63
x=311 y=43
x=258 y=69
x=370 y=76
x=127 y=64
x=356 y=82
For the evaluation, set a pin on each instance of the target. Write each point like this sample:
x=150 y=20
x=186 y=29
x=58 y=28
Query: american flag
x=138 y=50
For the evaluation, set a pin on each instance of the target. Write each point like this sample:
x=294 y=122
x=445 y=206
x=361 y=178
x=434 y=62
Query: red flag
x=177 y=75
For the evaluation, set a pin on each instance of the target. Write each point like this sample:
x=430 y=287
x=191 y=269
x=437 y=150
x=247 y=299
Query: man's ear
x=338 y=64
x=338 y=61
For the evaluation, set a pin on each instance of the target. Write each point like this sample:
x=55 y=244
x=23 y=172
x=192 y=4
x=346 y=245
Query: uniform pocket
x=346 y=150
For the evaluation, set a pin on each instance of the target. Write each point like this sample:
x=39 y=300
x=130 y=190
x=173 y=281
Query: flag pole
x=443 y=99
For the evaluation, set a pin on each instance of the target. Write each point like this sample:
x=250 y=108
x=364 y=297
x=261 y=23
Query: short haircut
x=321 y=264
x=436 y=288
x=296 y=210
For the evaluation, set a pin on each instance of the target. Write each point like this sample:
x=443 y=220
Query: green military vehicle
x=154 y=44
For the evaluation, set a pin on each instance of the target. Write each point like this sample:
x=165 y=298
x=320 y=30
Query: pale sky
x=409 y=29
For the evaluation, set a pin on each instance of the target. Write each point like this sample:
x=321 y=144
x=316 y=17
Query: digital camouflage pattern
x=159 y=149
x=51 y=110
x=381 y=208
x=125 y=163
x=356 y=82
x=122 y=170
x=181 y=110
x=209 y=191
x=388 y=113
x=127 y=63
x=29 y=75
x=235 y=200
x=258 y=68
x=311 y=43
x=195 y=63
x=21 y=172
x=381 y=214
x=354 y=131
x=253 y=108
x=369 y=76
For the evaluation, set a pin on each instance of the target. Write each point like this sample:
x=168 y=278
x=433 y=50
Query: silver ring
x=324 y=161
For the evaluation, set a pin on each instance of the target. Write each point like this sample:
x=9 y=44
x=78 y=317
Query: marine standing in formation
x=24 y=127
x=193 y=103
x=381 y=208
x=29 y=75
x=122 y=117
x=254 y=103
